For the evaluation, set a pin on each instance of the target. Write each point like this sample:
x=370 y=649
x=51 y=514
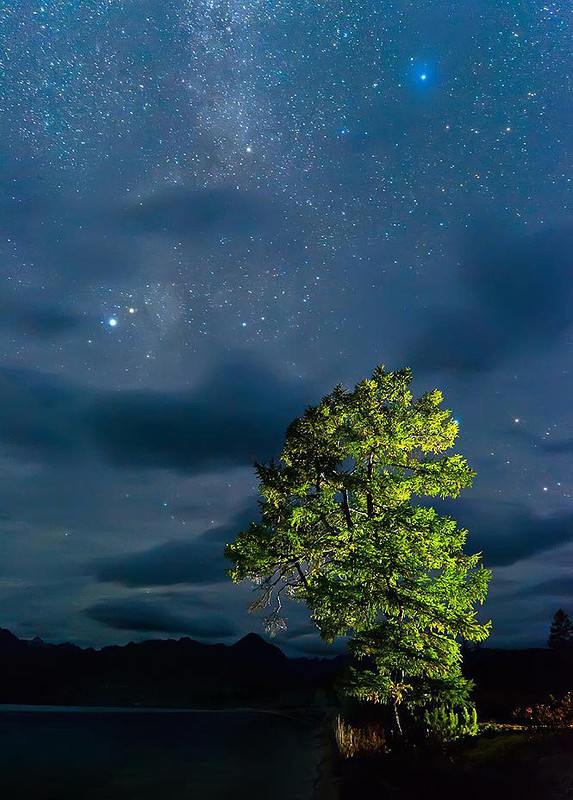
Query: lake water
x=110 y=755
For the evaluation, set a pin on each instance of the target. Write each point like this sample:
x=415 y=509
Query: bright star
x=423 y=76
x=112 y=322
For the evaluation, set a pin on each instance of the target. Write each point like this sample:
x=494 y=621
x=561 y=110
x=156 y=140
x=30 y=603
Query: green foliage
x=339 y=531
x=446 y=723
x=561 y=631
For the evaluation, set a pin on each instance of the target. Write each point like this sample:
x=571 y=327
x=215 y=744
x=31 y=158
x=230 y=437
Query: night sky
x=212 y=212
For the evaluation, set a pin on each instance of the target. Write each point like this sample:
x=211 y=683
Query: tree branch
x=302 y=575
x=369 y=500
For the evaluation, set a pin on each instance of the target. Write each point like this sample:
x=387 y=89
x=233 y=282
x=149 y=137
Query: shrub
x=556 y=712
x=445 y=724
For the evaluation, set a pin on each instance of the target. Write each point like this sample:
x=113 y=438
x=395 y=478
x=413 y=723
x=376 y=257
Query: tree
x=560 y=631
x=339 y=531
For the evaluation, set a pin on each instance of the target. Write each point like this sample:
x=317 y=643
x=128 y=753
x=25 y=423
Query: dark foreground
x=155 y=756
x=493 y=766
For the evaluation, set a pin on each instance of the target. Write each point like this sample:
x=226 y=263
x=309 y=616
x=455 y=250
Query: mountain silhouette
x=161 y=672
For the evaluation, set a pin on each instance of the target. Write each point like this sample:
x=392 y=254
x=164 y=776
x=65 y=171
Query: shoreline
x=28 y=708
x=326 y=784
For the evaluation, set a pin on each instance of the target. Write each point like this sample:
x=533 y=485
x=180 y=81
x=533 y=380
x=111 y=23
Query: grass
x=353 y=741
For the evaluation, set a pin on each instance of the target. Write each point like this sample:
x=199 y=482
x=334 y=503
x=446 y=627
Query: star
x=112 y=322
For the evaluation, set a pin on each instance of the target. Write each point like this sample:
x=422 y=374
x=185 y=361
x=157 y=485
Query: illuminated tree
x=339 y=531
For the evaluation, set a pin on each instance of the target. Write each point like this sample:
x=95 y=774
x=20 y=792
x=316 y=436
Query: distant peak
x=252 y=641
x=6 y=634
x=7 y=639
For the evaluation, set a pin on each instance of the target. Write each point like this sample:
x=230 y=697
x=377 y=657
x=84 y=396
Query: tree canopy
x=340 y=531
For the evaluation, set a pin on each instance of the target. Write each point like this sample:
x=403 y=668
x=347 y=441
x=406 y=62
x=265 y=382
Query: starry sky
x=212 y=211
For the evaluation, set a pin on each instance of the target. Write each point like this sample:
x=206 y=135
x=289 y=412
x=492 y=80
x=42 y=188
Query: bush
x=556 y=712
x=445 y=724
x=364 y=730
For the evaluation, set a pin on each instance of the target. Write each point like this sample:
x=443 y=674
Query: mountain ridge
x=171 y=672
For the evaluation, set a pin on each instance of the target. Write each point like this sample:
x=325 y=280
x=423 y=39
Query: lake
x=51 y=754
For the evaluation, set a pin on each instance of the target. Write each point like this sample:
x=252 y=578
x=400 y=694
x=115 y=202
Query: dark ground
x=493 y=766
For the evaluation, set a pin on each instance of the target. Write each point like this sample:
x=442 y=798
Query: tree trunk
x=346 y=509
x=397 y=724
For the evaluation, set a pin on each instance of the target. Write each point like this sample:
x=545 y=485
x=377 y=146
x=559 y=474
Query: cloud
x=238 y=415
x=556 y=587
x=519 y=293
x=564 y=447
x=197 y=561
x=42 y=322
x=145 y=616
x=507 y=534
x=40 y=413
x=542 y=445
x=311 y=645
x=66 y=237
x=187 y=212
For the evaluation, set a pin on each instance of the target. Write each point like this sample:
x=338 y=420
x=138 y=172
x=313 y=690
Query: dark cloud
x=237 y=416
x=40 y=322
x=564 y=447
x=185 y=212
x=40 y=413
x=508 y=534
x=26 y=195
x=556 y=587
x=146 y=616
x=519 y=294
x=542 y=444
x=312 y=646
x=45 y=322
x=301 y=637
x=71 y=241
x=196 y=561
x=199 y=560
